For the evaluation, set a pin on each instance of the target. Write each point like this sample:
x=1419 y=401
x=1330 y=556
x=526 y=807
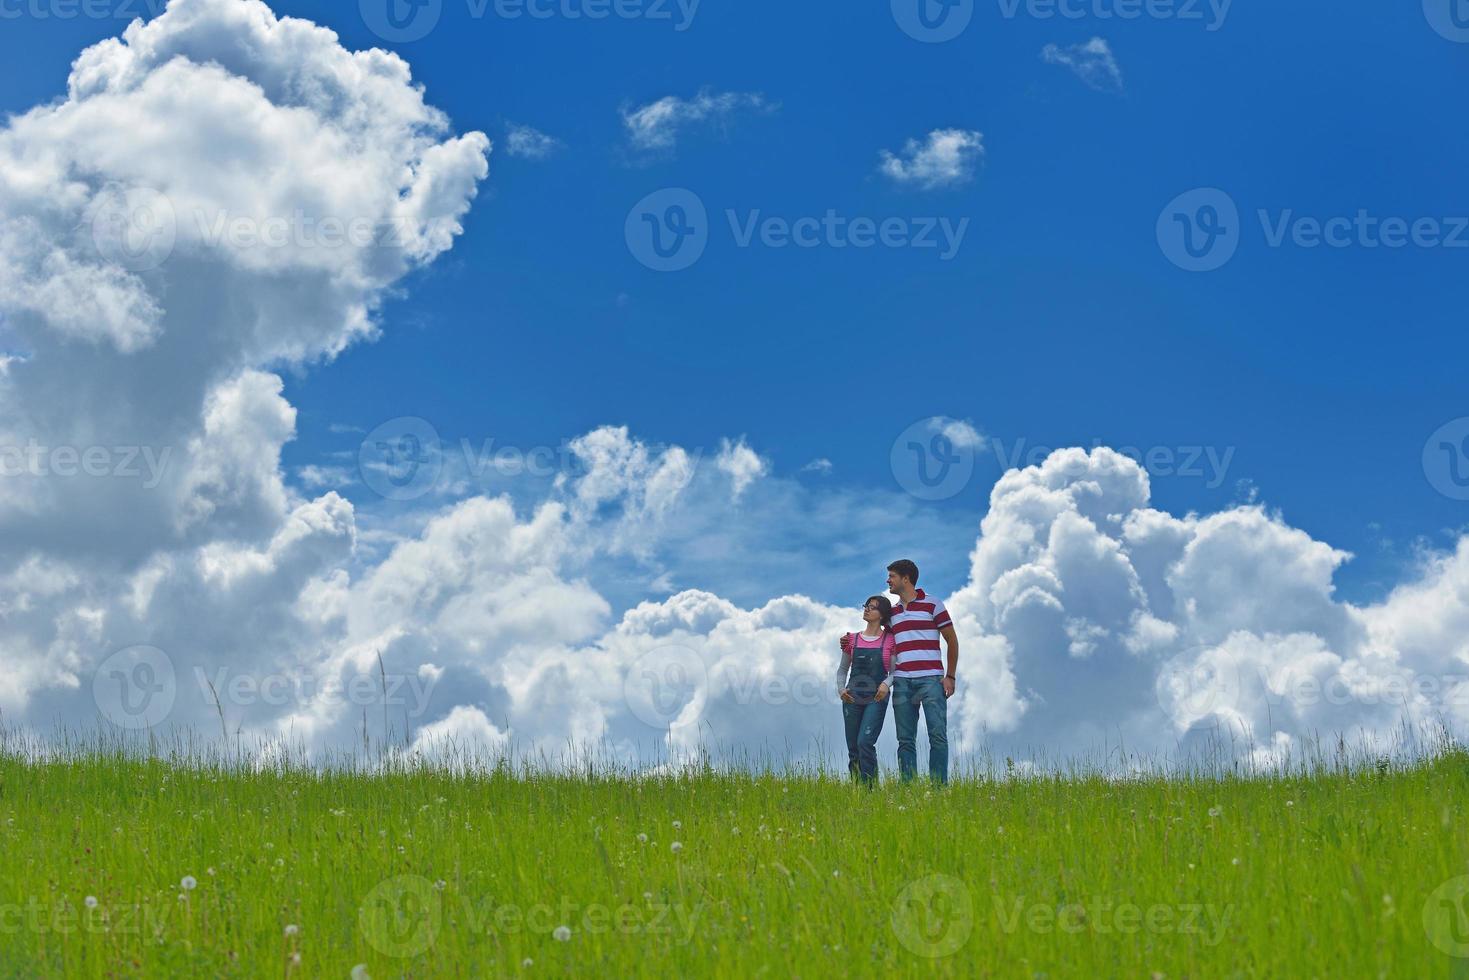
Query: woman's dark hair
x=884 y=609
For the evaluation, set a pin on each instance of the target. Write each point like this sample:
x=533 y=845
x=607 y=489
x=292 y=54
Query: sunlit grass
x=408 y=870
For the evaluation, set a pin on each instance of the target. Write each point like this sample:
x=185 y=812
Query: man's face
x=894 y=583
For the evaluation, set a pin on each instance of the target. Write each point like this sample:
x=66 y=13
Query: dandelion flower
x=295 y=959
x=675 y=847
x=562 y=934
x=678 y=825
x=1235 y=861
x=527 y=963
x=359 y=972
x=1213 y=811
x=188 y=883
x=90 y=901
x=1290 y=802
x=440 y=885
x=292 y=929
x=642 y=838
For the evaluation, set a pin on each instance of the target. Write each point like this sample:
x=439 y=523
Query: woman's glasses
x=871 y=608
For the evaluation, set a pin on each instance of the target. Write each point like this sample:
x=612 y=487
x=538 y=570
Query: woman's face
x=870 y=613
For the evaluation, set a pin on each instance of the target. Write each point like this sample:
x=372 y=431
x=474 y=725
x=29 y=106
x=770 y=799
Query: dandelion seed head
x=562 y=934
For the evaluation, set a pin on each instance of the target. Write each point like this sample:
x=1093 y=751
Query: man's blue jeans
x=908 y=694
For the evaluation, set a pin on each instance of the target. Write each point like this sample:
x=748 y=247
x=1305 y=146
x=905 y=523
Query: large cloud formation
x=190 y=218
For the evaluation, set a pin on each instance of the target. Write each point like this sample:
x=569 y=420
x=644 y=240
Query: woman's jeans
x=864 y=724
x=908 y=693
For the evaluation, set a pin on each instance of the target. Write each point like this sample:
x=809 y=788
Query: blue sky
x=1060 y=320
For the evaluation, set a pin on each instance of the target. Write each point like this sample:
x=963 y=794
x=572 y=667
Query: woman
x=862 y=672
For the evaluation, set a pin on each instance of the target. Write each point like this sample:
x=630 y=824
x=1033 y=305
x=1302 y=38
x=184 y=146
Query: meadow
x=120 y=865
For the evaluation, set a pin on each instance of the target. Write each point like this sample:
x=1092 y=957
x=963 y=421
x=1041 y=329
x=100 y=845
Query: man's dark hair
x=905 y=568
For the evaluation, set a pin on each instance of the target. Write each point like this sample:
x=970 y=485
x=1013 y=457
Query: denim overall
x=865 y=715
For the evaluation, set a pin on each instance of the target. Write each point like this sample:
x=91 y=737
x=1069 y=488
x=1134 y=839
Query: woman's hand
x=847 y=696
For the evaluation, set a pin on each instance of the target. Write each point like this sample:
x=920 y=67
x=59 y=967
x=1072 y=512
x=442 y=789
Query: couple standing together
x=897 y=654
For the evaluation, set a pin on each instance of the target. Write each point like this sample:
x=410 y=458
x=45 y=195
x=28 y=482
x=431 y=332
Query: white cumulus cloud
x=656 y=126
x=1092 y=62
x=947 y=157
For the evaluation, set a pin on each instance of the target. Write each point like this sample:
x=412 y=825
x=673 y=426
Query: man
x=920 y=679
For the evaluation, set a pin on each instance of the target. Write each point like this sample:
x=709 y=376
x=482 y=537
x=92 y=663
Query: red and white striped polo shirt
x=916 y=629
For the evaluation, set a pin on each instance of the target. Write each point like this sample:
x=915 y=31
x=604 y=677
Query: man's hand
x=948 y=687
x=846 y=643
x=882 y=691
x=847 y=696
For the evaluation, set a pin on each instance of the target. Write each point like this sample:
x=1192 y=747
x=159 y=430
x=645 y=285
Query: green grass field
x=126 y=867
